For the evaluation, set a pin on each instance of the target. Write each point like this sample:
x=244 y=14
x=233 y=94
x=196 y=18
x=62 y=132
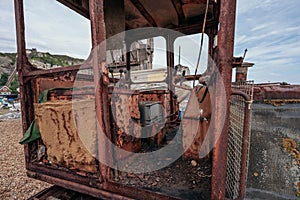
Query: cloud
x=268 y=28
x=59 y=30
x=7 y=26
x=49 y=27
x=262 y=26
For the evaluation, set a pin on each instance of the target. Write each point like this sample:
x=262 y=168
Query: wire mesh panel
x=236 y=138
x=246 y=87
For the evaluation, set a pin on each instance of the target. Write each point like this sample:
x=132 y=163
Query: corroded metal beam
x=144 y=12
x=194 y=28
x=22 y=66
x=101 y=95
x=79 y=8
x=224 y=63
x=178 y=7
x=194 y=1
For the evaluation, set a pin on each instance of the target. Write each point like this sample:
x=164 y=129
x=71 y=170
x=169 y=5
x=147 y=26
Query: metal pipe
x=106 y=190
x=98 y=193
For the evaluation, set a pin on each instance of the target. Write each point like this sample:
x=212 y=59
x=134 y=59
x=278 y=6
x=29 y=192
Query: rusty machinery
x=108 y=18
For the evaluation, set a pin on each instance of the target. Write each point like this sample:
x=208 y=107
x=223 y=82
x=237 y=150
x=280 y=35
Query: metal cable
x=201 y=45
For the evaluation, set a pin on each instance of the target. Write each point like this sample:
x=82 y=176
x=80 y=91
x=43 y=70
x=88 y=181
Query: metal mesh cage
x=236 y=138
x=246 y=87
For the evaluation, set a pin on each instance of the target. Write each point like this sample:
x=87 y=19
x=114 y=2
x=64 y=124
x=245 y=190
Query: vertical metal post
x=211 y=35
x=23 y=66
x=224 y=63
x=101 y=87
x=170 y=69
x=245 y=150
x=128 y=61
x=20 y=31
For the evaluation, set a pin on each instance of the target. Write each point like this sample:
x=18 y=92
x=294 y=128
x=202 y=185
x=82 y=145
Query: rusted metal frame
x=56 y=70
x=122 y=91
x=224 y=63
x=124 y=65
x=144 y=82
x=59 y=73
x=22 y=66
x=182 y=87
x=128 y=60
x=191 y=77
x=49 y=170
x=96 y=8
x=137 y=193
x=144 y=12
x=147 y=32
x=76 y=7
x=186 y=29
x=211 y=32
x=216 y=10
x=194 y=28
x=274 y=83
x=98 y=193
x=155 y=92
x=196 y=1
x=242 y=94
x=86 y=91
x=178 y=7
x=170 y=69
x=92 y=186
x=245 y=146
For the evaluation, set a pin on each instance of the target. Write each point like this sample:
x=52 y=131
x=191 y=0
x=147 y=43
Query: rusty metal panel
x=134 y=107
x=126 y=116
x=158 y=95
x=276 y=91
x=199 y=123
x=62 y=124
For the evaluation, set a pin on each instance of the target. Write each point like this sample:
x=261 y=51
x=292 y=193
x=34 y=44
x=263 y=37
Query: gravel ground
x=14 y=184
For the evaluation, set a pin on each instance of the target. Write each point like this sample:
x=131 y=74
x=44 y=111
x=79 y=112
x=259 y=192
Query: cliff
x=42 y=60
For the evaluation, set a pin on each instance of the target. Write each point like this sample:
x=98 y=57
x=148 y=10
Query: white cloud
x=49 y=26
x=268 y=28
x=262 y=26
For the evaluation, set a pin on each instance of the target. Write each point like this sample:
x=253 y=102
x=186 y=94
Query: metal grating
x=236 y=138
x=246 y=87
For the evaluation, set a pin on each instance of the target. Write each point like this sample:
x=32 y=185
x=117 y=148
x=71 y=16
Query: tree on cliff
x=3 y=79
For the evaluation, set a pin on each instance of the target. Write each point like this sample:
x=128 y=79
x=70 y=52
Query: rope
x=201 y=46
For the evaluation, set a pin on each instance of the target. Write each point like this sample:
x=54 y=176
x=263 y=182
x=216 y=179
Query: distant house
x=5 y=90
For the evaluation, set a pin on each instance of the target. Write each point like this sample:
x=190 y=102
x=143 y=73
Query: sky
x=269 y=29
